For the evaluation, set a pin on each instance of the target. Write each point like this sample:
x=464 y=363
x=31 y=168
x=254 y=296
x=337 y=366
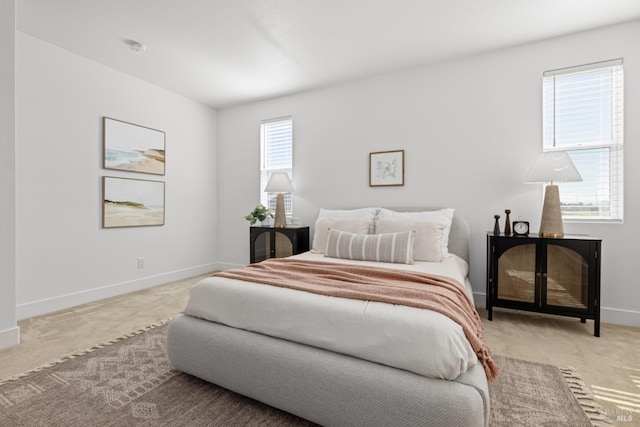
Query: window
x=583 y=115
x=276 y=155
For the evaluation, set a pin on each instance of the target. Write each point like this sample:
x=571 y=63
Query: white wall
x=64 y=257
x=9 y=332
x=470 y=128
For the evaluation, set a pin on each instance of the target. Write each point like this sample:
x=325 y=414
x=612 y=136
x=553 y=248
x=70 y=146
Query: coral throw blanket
x=386 y=285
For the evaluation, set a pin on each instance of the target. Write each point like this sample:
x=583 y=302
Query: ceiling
x=228 y=52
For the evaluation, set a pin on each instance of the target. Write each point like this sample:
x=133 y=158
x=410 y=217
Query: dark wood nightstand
x=272 y=242
x=547 y=275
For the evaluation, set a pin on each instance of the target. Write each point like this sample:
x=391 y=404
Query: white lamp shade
x=553 y=166
x=279 y=182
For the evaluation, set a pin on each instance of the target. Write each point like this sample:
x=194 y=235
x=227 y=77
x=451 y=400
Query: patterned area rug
x=535 y=394
x=130 y=382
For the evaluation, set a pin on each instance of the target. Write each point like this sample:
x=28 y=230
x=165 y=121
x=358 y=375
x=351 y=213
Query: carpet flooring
x=609 y=365
x=130 y=382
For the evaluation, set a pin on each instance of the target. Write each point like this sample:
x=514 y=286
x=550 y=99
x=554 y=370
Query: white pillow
x=390 y=247
x=442 y=215
x=322 y=226
x=428 y=240
x=369 y=213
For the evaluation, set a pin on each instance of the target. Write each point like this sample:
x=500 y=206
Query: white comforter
x=418 y=340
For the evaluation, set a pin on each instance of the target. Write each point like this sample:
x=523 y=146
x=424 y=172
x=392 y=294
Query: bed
x=297 y=351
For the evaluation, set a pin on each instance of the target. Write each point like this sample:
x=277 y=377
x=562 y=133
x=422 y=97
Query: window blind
x=276 y=141
x=583 y=115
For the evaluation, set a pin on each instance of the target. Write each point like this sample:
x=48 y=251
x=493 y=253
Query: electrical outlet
x=141 y=262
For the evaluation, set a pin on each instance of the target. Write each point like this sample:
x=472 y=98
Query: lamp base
x=551 y=222
x=281 y=217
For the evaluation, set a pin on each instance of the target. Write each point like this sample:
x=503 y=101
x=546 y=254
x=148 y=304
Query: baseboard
x=620 y=317
x=9 y=337
x=227 y=266
x=607 y=315
x=36 y=308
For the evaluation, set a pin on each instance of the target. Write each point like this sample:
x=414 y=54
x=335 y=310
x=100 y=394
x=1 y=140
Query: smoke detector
x=135 y=46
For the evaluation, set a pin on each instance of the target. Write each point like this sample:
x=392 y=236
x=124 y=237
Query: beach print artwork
x=132 y=202
x=133 y=148
x=386 y=168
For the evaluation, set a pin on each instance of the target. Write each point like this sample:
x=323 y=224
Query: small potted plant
x=260 y=213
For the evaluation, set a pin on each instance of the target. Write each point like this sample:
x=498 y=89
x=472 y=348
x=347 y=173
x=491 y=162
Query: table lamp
x=279 y=182
x=548 y=167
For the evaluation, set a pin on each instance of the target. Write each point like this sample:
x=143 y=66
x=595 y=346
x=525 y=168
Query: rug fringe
x=596 y=413
x=86 y=351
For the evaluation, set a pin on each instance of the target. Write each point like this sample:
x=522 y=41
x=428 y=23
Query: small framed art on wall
x=386 y=168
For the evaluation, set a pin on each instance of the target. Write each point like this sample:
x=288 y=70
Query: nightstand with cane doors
x=275 y=242
x=547 y=275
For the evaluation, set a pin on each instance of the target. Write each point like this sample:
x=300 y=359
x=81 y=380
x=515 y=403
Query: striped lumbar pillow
x=387 y=247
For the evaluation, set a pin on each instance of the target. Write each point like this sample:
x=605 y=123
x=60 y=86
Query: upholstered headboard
x=460 y=231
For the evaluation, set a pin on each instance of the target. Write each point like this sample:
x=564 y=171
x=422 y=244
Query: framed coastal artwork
x=131 y=202
x=386 y=168
x=133 y=148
